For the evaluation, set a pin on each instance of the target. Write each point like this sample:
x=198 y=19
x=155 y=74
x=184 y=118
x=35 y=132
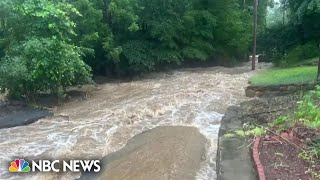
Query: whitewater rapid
x=109 y=117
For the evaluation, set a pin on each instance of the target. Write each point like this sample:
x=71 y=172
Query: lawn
x=296 y=75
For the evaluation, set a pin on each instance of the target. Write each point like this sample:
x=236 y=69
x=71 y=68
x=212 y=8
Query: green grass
x=296 y=75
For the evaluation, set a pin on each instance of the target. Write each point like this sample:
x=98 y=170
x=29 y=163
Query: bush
x=44 y=65
x=299 y=53
x=13 y=72
x=308 y=110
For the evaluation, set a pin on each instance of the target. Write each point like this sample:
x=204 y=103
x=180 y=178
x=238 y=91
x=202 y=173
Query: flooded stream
x=103 y=123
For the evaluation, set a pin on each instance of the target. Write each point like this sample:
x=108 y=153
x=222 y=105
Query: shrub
x=13 y=73
x=299 y=53
x=308 y=111
x=44 y=65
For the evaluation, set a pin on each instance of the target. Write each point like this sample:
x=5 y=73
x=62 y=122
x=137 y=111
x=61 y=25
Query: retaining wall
x=276 y=90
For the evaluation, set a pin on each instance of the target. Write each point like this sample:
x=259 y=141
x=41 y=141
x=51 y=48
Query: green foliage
x=115 y=36
x=231 y=22
x=41 y=16
x=42 y=65
x=13 y=73
x=46 y=59
x=282 y=123
x=295 y=39
x=124 y=11
x=256 y=131
x=308 y=111
x=140 y=54
x=300 y=53
x=141 y=35
x=306 y=114
x=249 y=130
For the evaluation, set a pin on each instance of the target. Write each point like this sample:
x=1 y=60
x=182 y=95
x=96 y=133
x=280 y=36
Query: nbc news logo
x=20 y=165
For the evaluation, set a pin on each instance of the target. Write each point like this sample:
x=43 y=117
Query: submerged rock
x=160 y=153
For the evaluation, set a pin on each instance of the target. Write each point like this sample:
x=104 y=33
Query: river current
x=109 y=117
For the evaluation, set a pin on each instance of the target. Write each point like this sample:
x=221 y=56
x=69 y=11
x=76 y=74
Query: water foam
x=105 y=122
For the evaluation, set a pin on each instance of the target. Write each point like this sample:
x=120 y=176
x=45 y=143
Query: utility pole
x=255 y=22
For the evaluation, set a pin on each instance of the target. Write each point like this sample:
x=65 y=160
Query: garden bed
x=283 y=155
x=282 y=160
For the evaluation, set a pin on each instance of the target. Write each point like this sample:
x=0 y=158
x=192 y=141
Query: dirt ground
x=279 y=157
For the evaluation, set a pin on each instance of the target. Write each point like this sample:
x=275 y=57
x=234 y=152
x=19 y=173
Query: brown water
x=109 y=117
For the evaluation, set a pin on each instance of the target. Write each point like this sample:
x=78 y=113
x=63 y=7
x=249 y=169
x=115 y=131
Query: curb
x=256 y=159
x=234 y=157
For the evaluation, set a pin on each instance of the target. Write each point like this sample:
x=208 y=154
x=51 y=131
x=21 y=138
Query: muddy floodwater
x=110 y=116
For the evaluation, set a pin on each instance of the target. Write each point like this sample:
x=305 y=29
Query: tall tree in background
x=298 y=38
x=306 y=17
x=44 y=43
x=140 y=35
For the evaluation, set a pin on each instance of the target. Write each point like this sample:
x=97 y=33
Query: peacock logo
x=19 y=165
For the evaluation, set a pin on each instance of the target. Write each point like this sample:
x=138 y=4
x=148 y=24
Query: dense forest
x=48 y=45
x=293 y=32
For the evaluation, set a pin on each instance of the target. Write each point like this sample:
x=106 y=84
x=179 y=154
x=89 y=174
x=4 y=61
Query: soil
x=265 y=110
x=281 y=159
x=306 y=133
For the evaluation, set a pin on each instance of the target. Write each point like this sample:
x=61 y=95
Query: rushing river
x=104 y=122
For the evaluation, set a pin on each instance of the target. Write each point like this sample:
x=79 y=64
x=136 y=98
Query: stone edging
x=234 y=157
x=256 y=159
x=275 y=90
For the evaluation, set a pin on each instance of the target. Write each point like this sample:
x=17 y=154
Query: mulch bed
x=280 y=158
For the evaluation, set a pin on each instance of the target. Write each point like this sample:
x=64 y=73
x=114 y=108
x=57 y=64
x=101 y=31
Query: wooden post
x=255 y=22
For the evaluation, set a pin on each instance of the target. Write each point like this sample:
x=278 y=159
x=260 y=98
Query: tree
x=140 y=35
x=43 y=58
x=113 y=37
x=298 y=38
